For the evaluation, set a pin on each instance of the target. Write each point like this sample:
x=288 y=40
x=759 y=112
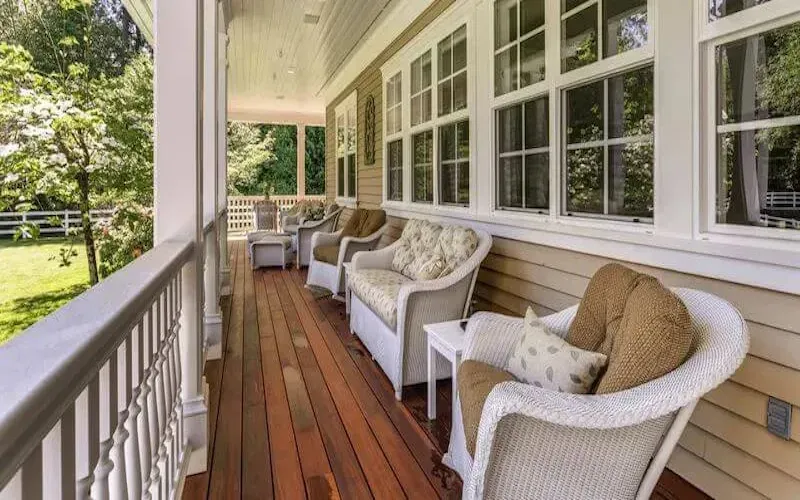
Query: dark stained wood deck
x=299 y=410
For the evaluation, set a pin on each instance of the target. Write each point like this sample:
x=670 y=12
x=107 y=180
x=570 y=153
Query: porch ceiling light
x=311 y=18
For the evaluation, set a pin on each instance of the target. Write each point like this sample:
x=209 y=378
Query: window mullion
x=524 y=160
x=605 y=147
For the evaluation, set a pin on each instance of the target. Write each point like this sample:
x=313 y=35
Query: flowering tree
x=69 y=132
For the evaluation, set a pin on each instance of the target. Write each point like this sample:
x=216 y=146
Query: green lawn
x=32 y=285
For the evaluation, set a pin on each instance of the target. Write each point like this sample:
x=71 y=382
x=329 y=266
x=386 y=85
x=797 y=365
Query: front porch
x=298 y=409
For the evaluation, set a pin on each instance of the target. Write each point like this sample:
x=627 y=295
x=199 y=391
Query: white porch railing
x=9 y=221
x=240 y=208
x=91 y=395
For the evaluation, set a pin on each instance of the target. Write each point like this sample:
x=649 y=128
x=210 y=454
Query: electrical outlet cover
x=779 y=417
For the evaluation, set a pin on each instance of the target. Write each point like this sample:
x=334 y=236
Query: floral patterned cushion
x=457 y=244
x=378 y=289
x=427 y=251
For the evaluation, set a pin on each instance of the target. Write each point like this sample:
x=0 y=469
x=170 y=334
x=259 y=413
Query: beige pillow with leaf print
x=545 y=360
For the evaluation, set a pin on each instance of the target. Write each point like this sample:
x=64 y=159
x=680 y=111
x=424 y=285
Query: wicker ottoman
x=271 y=250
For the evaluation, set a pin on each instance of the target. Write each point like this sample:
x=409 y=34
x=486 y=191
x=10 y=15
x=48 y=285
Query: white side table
x=347 y=287
x=447 y=339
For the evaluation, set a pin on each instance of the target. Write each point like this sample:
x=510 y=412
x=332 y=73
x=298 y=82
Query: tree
x=248 y=150
x=67 y=130
x=315 y=160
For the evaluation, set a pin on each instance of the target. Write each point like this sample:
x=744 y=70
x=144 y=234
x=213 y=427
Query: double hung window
x=346 y=168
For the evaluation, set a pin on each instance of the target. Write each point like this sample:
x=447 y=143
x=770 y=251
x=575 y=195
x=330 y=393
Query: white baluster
x=176 y=401
x=178 y=381
x=108 y=422
x=159 y=462
x=169 y=464
x=132 y=450
x=118 y=481
x=87 y=438
x=146 y=401
x=58 y=458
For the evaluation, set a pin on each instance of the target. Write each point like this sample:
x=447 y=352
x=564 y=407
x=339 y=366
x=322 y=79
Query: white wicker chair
x=306 y=230
x=401 y=351
x=533 y=443
x=330 y=276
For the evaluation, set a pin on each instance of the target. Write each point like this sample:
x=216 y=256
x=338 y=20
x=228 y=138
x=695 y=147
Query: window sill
x=738 y=260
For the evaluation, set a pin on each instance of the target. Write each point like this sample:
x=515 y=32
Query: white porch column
x=178 y=186
x=301 y=161
x=222 y=164
x=213 y=315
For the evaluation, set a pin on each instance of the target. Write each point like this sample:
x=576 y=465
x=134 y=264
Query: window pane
x=445 y=97
x=579 y=39
x=531 y=15
x=422 y=172
x=390 y=122
x=585 y=113
x=460 y=49
x=340 y=135
x=394 y=164
x=758 y=178
x=340 y=176
x=398 y=89
x=509 y=182
x=351 y=175
x=505 y=22
x=755 y=76
x=460 y=91
x=625 y=25
x=585 y=180
x=509 y=129
x=630 y=180
x=532 y=60
x=505 y=71
x=445 y=60
x=426 y=69
x=426 y=105
x=416 y=110
x=447 y=142
x=537 y=181
x=463 y=183
x=390 y=93
x=398 y=118
x=722 y=8
x=462 y=140
x=537 y=123
x=630 y=103
x=351 y=130
x=448 y=183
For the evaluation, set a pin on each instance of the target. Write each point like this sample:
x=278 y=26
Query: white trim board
x=766 y=268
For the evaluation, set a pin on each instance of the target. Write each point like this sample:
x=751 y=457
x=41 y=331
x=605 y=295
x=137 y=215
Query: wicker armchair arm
x=374 y=259
x=290 y=220
x=325 y=239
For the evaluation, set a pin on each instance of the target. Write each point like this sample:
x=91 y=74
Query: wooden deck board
x=297 y=409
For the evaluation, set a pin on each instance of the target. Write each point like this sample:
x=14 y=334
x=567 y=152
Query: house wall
x=726 y=450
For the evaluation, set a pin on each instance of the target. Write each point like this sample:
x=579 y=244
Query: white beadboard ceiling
x=279 y=63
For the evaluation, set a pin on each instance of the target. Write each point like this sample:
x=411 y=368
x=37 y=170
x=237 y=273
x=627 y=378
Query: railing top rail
x=45 y=368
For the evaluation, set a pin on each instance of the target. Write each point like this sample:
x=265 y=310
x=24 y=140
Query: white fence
x=783 y=200
x=9 y=221
x=240 y=208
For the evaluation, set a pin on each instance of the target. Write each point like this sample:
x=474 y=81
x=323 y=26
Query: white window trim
x=460 y=14
x=678 y=239
x=350 y=200
x=716 y=33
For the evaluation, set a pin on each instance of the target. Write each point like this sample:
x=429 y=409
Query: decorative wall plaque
x=369 y=131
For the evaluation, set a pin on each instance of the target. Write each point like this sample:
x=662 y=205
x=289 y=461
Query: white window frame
x=422 y=90
x=398 y=135
x=752 y=21
x=518 y=44
x=343 y=109
x=458 y=15
x=679 y=238
x=522 y=153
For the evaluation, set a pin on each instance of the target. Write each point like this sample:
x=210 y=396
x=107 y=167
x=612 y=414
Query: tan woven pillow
x=475 y=381
x=601 y=308
x=654 y=338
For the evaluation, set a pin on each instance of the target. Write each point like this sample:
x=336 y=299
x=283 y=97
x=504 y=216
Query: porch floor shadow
x=298 y=409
